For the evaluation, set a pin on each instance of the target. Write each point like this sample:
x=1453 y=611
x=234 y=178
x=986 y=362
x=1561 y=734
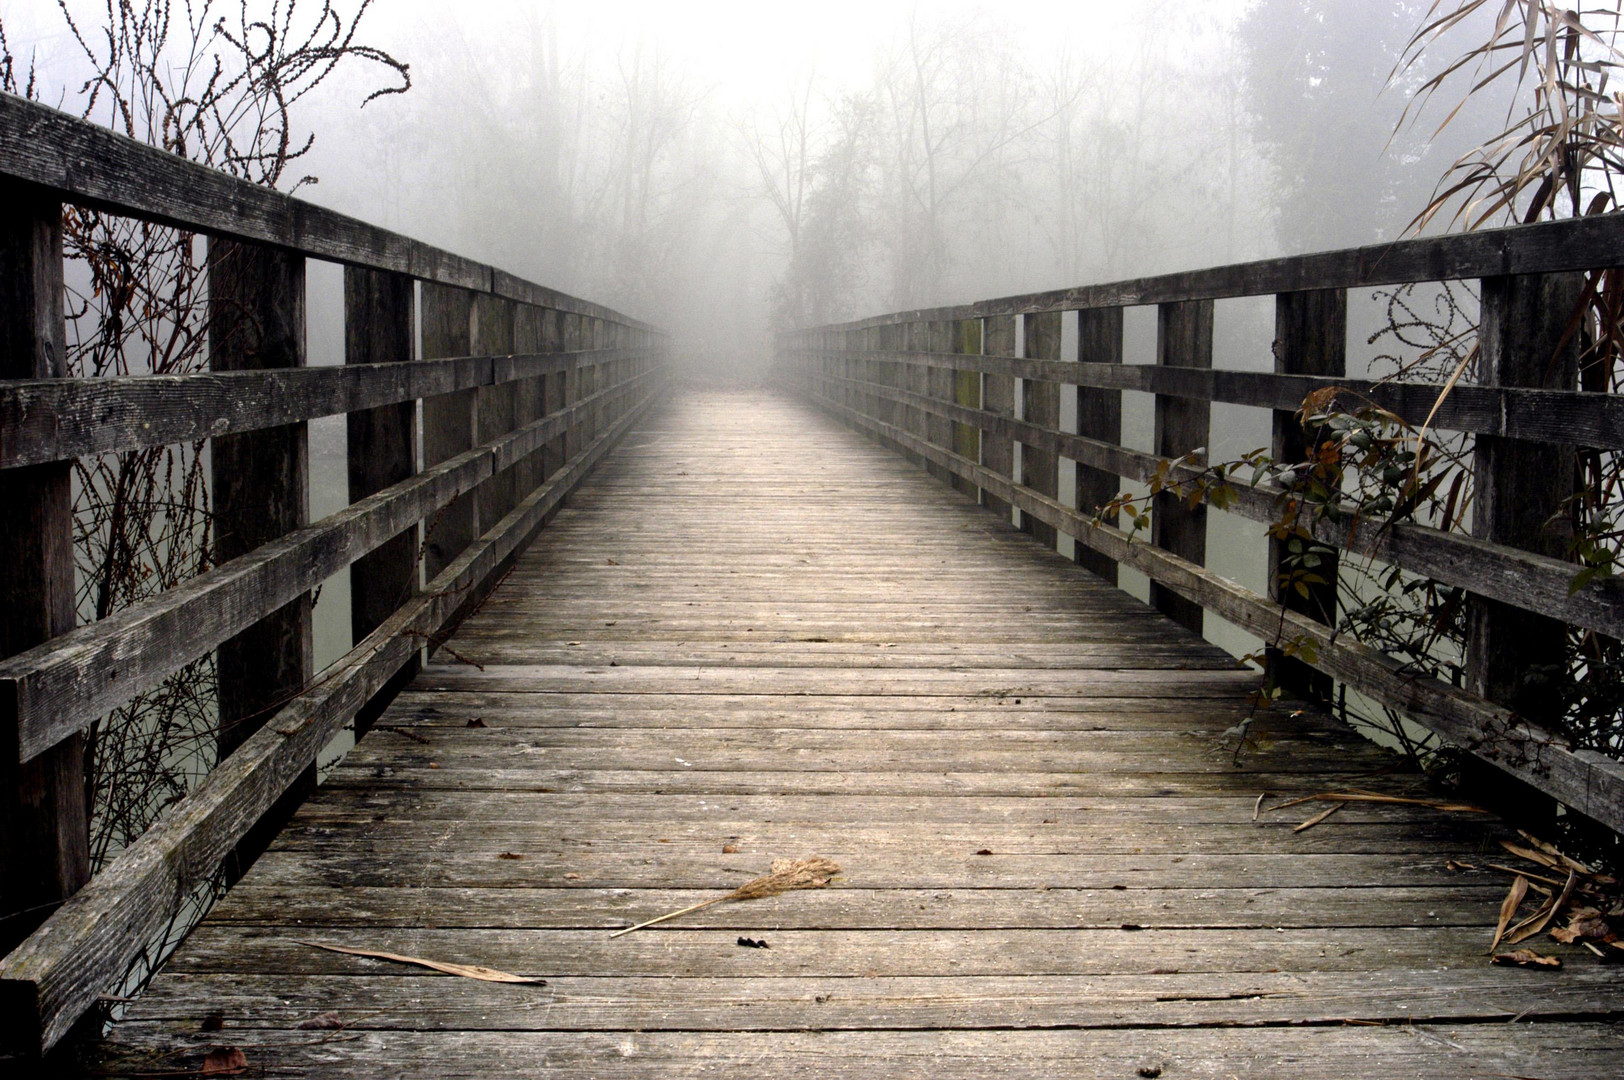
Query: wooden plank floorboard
x=754 y=634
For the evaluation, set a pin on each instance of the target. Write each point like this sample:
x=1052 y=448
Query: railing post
x=44 y=804
x=260 y=479
x=529 y=395
x=555 y=395
x=1183 y=339
x=1526 y=338
x=492 y=335
x=260 y=490
x=1099 y=416
x=938 y=386
x=998 y=397
x=966 y=392
x=379 y=328
x=1040 y=405
x=1310 y=338
x=569 y=330
x=448 y=421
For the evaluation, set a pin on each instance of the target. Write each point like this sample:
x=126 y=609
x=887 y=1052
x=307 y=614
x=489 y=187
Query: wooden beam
x=260 y=480
x=1099 y=417
x=1514 y=657
x=1310 y=338
x=44 y=804
x=1586 y=243
x=1040 y=405
x=1526 y=579
x=380 y=328
x=1580 y=418
x=87 y=164
x=998 y=396
x=58 y=974
x=1589 y=782
x=448 y=422
x=58 y=688
x=1183 y=339
x=44 y=420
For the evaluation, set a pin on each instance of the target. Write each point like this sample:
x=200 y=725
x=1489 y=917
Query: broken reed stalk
x=787 y=875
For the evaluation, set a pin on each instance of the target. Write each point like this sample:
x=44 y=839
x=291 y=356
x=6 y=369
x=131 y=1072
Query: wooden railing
x=522 y=390
x=948 y=388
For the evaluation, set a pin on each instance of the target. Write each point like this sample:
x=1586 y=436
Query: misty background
x=725 y=170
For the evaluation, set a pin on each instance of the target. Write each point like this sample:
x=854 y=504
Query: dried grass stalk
x=787 y=875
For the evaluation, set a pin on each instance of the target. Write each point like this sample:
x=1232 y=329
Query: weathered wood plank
x=52 y=419
x=44 y=819
x=1439 y=1052
x=1529 y=580
x=1183 y=339
x=1085 y=857
x=1099 y=417
x=85 y=163
x=1310 y=338
x=1574 y=244
x=60 y=687
x=1520 y=491
x=87 y=945
x=1584 y=418
x=1589 y=782
x=260 y=481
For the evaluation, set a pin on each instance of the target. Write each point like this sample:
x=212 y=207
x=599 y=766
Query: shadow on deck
x=755 y=634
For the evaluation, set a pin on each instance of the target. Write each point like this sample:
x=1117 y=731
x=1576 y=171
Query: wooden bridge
x=680 y=631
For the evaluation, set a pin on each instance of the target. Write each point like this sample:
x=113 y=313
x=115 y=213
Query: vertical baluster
x=966 y=388
x=379 y=329
x=1099 y=416
x=1040 y=405
x=492 y=335
x=1310 y=338
x=1516 y=657
x=998 y=397
x=938 y=383
x=529 y=395
x=554 y=397
x=260 y=490
x=44 y=811
x=1183 y=339
x=448 y=421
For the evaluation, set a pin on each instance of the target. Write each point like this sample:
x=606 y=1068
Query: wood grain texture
x=260 y=480
x=88 y=945
x=44 y=806
x=1310 y=338
x=63 y=685
x=1583 y=418
x=85 y=163
x=1529 y=580
x=1574 y=244
x=1585 y=780
x=1182 y=426
x=1050 y=859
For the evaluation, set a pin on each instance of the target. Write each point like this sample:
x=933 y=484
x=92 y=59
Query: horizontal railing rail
x=973 y=394
x=475 y=402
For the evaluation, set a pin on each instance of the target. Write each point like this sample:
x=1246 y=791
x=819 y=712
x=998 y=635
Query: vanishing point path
x=754 y=634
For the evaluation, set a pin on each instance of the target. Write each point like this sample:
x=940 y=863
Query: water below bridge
x=754 y=634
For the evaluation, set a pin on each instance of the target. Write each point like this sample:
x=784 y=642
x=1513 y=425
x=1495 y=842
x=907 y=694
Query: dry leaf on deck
x=787 y=875
x=1527 y=958
x=1585 y=924
x=1508 y=908
x=1319 y=817
x=466 y=971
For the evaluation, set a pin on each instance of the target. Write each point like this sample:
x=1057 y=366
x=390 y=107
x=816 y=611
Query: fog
x=726 y=169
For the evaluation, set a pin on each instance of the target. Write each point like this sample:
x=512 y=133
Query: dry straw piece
x=787 y=875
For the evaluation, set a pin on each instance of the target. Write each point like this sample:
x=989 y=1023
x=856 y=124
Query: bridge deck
x=754 y=635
